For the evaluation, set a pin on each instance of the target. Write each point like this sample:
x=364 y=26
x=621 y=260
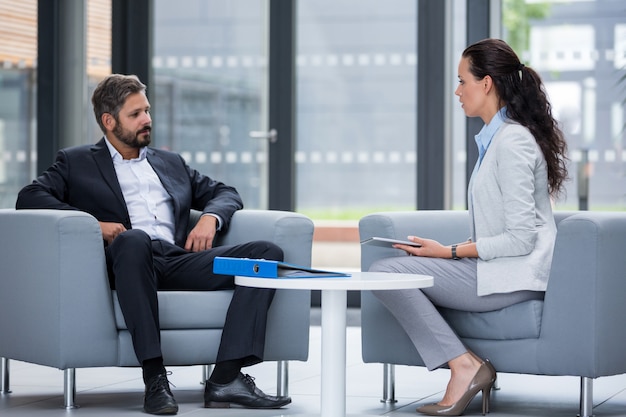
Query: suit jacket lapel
x=102 y=157
x=167 y=179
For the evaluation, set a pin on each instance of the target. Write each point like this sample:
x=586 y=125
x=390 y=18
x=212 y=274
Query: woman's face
x=471 y=91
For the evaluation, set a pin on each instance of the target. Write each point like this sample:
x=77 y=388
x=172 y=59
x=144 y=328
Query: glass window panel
x=98 y=57
x=562 y=48
x=458 y=119
x=18 y=56
x=356 y=107
x=18 y=72
x=210 y=67
x=619 y=52
x=578 y=49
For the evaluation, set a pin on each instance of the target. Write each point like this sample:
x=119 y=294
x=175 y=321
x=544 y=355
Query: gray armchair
x=577 y=330
x=56 y=308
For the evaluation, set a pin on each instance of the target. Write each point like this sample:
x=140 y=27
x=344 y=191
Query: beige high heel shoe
x=489 y=364
x=482 y=381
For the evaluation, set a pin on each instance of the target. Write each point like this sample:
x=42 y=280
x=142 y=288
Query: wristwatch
x=454 y=252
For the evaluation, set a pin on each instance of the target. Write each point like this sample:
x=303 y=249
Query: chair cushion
x=186 y=309
x=519 y=321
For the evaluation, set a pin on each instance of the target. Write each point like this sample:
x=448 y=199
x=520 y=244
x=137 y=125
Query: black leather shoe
x=158 y=398
x=242 y=391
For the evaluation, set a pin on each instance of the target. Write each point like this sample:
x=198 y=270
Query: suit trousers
x=455 y=287
x=139 y=267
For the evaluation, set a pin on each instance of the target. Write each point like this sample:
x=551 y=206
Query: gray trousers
x=454 y=287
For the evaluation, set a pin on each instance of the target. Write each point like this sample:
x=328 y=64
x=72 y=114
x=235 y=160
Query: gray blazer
x=510 y=206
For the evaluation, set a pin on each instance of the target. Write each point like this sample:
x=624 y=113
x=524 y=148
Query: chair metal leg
x=586 y=397
x=282 y=378
x=389 y=383
x=206 y=373
x=4 y=376
x=69 y=388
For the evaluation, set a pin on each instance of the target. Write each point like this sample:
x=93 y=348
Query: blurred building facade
x=355 y=95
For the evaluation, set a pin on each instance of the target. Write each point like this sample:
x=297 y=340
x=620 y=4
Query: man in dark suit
x=142 y=198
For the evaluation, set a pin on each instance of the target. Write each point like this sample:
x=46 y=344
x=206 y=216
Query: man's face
x=133 y=123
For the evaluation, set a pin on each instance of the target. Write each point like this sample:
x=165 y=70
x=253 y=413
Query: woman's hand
x=429 y=248
x=433 y=249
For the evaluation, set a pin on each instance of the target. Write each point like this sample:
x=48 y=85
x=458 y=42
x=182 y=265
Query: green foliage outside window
x=516 y=17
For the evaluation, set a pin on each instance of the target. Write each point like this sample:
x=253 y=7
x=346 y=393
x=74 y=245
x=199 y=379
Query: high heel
x=482 y=381
x=495 y=378
x=489 y=365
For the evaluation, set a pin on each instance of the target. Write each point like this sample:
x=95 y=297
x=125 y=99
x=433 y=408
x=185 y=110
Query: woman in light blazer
x=521 y=165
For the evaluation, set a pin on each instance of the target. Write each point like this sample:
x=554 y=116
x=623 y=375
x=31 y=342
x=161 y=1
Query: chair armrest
x=442 y=225
x=287 y=335
x=445 y=226
x=584 y=306
x=293 y=232
x=55 y=301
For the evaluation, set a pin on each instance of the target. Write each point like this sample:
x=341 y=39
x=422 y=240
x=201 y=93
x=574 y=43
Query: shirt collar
x=486 y=134
x=116 y=156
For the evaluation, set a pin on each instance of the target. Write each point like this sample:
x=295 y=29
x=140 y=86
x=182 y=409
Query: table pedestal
x=334 y=311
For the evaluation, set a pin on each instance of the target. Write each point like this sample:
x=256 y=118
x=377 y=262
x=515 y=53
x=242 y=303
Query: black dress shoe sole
x=215 y=404
x=218 y=404
x=165 y=411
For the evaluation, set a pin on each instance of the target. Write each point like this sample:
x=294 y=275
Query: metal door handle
x=271 y=135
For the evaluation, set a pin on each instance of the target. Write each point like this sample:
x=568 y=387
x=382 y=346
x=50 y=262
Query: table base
x=319 y=415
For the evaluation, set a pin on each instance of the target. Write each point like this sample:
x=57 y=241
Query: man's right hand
x=111 y=230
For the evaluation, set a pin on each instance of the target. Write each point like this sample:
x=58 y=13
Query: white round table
x=334 y=309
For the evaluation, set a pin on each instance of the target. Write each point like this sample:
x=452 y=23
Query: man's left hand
x=201 y=236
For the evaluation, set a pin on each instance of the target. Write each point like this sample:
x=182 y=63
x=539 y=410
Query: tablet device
x=387 y=242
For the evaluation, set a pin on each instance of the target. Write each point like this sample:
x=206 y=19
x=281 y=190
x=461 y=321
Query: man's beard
x=132 y=139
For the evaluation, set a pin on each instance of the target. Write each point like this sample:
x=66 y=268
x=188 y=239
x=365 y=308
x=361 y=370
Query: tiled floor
x=104 y=392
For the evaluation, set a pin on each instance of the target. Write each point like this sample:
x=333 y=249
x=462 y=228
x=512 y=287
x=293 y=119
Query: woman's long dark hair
x=521 y=90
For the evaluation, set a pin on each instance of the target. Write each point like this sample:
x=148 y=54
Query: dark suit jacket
x=83 y=178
